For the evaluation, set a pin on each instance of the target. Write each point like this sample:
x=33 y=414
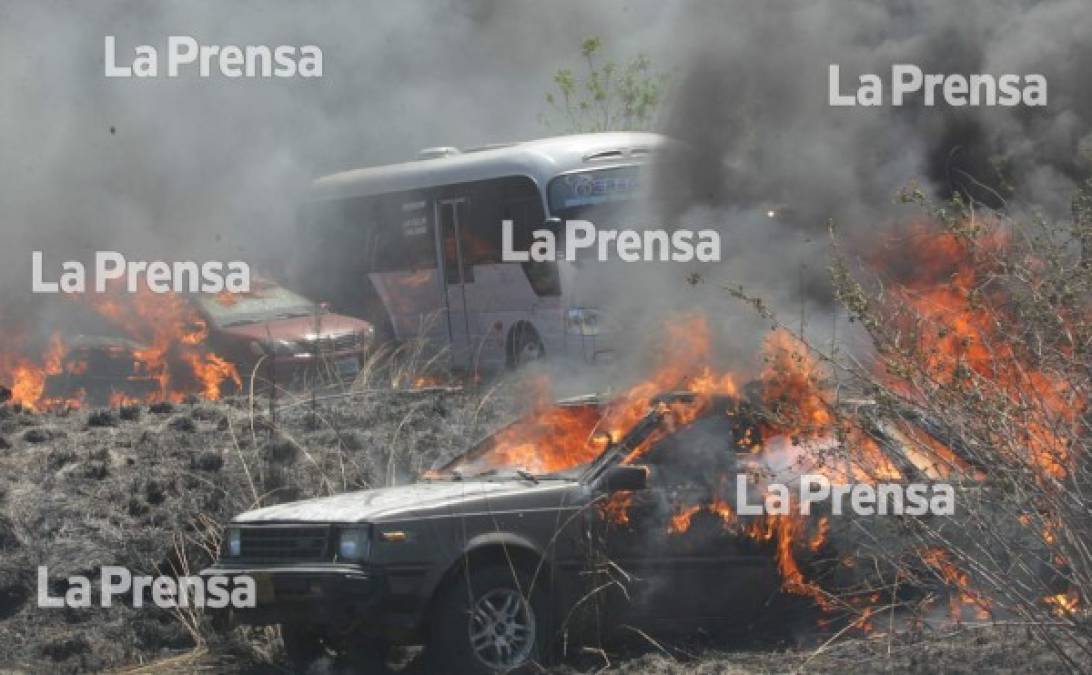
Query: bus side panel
x=500 y=296
x=412 y=301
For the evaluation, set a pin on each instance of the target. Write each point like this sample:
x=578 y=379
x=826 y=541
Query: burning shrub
x=981 y=330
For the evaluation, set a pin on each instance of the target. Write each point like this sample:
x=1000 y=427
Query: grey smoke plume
x=752 y=98
x=215 y=168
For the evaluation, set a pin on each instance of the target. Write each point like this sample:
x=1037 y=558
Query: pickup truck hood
x=418 y=499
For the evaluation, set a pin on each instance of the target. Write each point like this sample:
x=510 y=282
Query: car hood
x=297 y=328
x=416 y=500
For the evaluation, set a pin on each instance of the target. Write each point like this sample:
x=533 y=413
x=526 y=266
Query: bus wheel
x=524 y=345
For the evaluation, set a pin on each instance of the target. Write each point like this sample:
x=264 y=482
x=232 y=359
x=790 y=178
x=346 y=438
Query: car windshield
x=264 y=302
x=571 y=440
x=557 y=440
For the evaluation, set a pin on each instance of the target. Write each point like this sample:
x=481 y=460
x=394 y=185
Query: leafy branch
x=605 y=96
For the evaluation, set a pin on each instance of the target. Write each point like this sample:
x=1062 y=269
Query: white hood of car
x=372 y=505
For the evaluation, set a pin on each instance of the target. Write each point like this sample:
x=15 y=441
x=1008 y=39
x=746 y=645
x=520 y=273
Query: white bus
x=415 y=248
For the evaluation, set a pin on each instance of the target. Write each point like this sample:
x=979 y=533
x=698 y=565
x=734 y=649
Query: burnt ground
x=140 y=487
x=995 y=649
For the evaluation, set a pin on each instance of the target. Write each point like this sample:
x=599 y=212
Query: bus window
x=403 y=234
x=479 y=223
x=487 y=205
x=522 y=204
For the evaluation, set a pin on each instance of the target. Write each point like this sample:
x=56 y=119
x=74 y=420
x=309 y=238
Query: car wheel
x=525 y=346
x=366 y=655
x=302 y=646
x=486 y=623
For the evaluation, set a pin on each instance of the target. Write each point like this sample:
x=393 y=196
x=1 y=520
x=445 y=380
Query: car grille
x=285 y=543
x=340 y=343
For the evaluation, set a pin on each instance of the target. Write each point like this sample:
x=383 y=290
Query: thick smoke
x=214 y=168
x=752 y=98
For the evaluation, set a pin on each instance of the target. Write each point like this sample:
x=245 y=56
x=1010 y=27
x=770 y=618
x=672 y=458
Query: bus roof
x=539 y=160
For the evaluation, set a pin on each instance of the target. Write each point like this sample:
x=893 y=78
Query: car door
x=678 y=558
x=456 y=275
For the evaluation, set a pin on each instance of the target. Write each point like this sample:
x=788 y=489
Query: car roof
x=83 y=341
x=540 y=160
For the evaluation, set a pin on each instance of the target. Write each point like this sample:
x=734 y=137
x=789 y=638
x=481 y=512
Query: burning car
x=290 y=336
x=111 y=348
x=493 y=553
x=101 y=370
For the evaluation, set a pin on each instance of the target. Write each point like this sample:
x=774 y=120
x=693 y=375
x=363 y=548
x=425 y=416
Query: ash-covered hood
x=407 y=501
x=300 y=327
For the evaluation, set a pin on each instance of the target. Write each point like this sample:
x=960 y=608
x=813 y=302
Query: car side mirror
x=624 y=477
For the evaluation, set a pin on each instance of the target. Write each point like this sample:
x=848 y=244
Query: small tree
x=606 y=97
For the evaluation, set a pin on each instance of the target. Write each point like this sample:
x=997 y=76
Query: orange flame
x=173 y=335
x=615 y=509
x=28 y=379
x=964 y=597
x=1064 y=604
x=680 y=522
x=960 y=324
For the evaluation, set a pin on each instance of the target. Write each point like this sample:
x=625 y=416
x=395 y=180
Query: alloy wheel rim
x=502 y=628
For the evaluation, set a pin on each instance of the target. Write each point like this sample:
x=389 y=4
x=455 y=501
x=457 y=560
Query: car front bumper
x=336 y=595
x=345 y=364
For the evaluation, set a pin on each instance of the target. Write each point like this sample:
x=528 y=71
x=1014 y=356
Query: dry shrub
x=981 y=330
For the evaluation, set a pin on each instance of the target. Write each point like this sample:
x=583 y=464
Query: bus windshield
x=586 y=194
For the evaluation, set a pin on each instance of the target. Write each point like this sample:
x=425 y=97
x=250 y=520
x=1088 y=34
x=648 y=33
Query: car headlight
x=286 y=347
x=353 y=543
x=234 y=542
x=581 y=321
x=274 y=348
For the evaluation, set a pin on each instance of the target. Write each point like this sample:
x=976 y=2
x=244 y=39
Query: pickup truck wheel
x=484 y=623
